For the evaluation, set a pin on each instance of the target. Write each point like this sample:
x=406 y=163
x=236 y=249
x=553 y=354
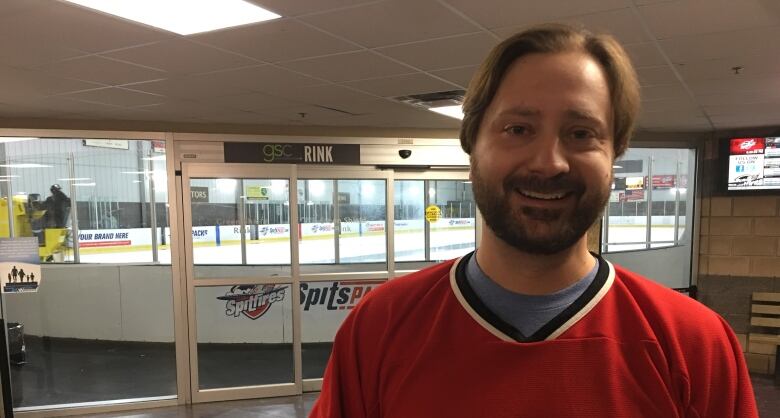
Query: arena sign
x=291 y=153
x=253 y=300
x=335 y=296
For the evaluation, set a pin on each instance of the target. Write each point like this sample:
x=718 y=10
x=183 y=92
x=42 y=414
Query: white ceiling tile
x=664 y=91
x=676 y=103
x=402 y=116
x=402 y=85
x=732 y=83
x=392 y=22
x=745 y=109
x=65 y=104
x=740 y=97
x=440 y=54
x=645 y=55
x=717 y=45
x=253 y=102
x=87 y=30
x=276 y=40
x=102 y=70
x=264 y=79
x=688 y=17
x=306 y=114
x=116 y=96
x=752 y=66
x=22 y=84
x=13 y=7
x=662 y=74
x=621 y=23
x=289 y=8
x=504 y=13
x=326 y=95
x=181 y=57
x=22 y=47
x=182 y=109
x=349 y=66
x=747 y=120
x=682 y=119
x=186 y=88
x=460 y=75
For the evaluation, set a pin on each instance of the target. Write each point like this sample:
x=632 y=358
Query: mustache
x=560 y=183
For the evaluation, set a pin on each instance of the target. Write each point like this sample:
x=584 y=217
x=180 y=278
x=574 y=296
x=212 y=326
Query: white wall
x=669 y=266
x=125 y=303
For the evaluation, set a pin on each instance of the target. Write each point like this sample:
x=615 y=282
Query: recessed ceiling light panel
x=184 y=17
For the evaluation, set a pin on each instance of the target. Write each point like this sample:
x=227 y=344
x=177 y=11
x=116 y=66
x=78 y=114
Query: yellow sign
x=257 y=192
x=432 y=213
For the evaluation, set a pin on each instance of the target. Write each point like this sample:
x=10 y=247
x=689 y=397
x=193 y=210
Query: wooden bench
x=765 y=313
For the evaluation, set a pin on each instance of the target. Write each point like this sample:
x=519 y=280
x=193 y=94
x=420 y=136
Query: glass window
x=316 y=217
x=324 y=305
x=362 y=213
x=449 y=229
x=245 y=335
x=114 y=192
x=649 y=203
x=409 y=216
x=454 y=234
x=102 y=327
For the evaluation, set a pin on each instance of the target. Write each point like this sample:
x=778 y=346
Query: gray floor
x=767 y=396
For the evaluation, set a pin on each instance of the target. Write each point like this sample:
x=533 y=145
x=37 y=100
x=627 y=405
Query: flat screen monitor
x=754 y=164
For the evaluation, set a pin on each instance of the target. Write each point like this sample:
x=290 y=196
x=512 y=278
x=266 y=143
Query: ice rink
x=409 y=246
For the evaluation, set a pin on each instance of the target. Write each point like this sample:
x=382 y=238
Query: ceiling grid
x=343 y=62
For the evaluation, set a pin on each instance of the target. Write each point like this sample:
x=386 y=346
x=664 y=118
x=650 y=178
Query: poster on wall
x=20 y=266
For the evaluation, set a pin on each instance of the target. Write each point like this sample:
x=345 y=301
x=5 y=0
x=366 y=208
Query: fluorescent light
x=8 y=177
x=451 y=111
x=25 y=165
x=6 y=139
x=136 y=172
x=155 y=158
x=184 y=17
x=75 y=179
x=84 y=184
x=616 y=166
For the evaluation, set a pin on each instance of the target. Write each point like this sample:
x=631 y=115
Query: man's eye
x=516 y=130
x=583 y=134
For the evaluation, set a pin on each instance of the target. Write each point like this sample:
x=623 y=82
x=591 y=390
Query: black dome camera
x=404 y=153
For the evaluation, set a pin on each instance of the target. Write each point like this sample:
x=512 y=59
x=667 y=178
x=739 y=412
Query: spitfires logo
x=252 y=300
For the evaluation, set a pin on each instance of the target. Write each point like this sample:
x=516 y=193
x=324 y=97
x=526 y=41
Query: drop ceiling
x=342 y=62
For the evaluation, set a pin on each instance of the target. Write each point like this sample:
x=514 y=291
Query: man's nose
x=548 y=157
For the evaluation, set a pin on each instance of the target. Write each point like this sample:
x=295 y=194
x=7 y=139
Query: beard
x=537 y=230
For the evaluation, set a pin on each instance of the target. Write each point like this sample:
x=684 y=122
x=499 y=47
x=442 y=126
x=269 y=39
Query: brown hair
x=553 y=38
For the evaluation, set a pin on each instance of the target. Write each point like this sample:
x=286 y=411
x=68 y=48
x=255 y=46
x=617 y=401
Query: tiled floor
x=767 y=395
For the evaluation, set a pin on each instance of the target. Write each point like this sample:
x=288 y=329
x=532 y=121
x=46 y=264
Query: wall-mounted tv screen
x=754 y=163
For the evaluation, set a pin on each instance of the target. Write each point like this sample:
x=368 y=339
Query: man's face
x=541 y=167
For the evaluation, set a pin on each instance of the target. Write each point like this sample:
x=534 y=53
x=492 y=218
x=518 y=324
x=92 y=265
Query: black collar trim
x=556 y=326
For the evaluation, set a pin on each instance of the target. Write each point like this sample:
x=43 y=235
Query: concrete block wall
x=739 y=253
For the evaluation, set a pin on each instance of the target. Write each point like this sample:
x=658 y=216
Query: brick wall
x=739 y=253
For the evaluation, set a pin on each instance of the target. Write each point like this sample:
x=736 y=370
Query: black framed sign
x=291 y=153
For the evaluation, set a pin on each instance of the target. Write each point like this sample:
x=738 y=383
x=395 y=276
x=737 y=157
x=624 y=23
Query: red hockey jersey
x=425 y=346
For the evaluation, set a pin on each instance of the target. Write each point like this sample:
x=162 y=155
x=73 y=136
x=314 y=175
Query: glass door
x=242 y=280
x=343 y=219
x=277 y=257
x=435 y=218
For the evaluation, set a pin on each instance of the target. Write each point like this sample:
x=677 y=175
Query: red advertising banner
x=663 y=182
x=741 y=146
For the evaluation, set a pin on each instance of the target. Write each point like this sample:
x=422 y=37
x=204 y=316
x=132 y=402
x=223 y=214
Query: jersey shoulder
x=411 y=288
x=667 y=310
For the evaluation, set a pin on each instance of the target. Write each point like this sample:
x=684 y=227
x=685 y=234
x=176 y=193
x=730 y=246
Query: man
x=532 y=324
x=57 y=208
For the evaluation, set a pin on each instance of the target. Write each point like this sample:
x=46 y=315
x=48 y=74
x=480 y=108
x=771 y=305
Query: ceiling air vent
x=447 y=103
